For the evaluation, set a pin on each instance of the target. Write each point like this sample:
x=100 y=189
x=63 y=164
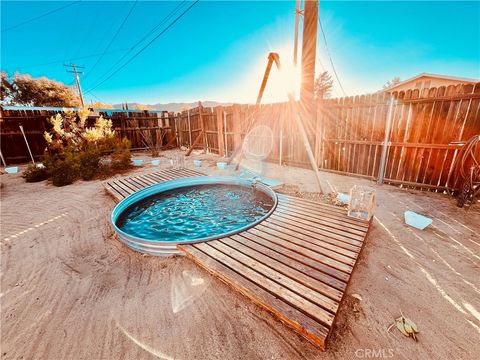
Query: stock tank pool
x=182 y=211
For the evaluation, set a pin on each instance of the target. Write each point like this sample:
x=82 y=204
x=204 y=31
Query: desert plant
x=35 y=173
x=63 y=169
x=121 y=156
x=89 y=162
x=74 y=150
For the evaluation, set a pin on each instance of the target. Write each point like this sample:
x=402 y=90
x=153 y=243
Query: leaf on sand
x=411 y=324
x=400 y=327
x=407 y=327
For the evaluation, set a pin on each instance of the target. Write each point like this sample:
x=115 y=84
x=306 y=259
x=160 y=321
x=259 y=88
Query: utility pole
x=309 y=50
x=298 y=13
x=77 y=79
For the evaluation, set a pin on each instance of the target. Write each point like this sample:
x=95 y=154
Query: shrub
x=74 y=150
x=34 y=173
x=63 y=169
x=121 y=156
x=89 y=162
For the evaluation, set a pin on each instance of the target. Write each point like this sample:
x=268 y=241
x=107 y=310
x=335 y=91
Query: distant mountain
x=175 y=107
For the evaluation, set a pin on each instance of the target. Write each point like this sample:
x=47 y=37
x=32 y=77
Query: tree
x=100 y=105
x=22 y=89
x=142 y=107
x=396 y=80
x=323 y=86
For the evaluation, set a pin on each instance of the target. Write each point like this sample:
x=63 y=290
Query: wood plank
x=296 y=246
x=121 y=187
x=311 y=242
x=323 y=208
x=280 y=219
x=235 y=260
x=112 y=190
x=148 y=180
x=142 y=181
x=132 y=183
x=313 y=214
x=127 y=185
x=287 y=268
x=304 y=325
x=308 y=216
x=273 y=270
x=332 y=276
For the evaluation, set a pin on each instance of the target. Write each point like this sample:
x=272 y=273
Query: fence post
x=225 y=130
x=189 y=128
x=386 y=140
x=202 y=127
x=220 y=131
x=237 y=130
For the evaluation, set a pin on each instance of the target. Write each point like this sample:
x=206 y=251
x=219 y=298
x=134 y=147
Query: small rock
x=357 y=296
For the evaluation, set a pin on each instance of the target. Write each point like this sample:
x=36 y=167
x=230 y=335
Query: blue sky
x=218 y=50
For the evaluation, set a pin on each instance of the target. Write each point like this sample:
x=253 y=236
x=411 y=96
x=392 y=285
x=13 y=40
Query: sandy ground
x=70 y=290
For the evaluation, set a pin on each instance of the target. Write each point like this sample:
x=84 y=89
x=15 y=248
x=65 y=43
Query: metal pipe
x=3 y=159
x=26 y=142
x=386 y=140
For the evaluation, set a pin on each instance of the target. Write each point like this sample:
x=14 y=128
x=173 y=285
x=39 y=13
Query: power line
x=70 y=59
x=147 y=45
x=113 y=39
x=41 y=16
x=330 y=57
x=140 y=41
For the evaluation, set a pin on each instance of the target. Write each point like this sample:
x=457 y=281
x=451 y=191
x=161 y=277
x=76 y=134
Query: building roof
x=445 y=77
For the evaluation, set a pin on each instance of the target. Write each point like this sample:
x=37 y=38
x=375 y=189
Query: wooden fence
x=140 y=127
x=420 y=133
x=427 y=129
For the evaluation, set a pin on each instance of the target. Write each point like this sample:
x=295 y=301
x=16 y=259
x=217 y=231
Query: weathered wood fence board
x=427 y=130
x=140 y=128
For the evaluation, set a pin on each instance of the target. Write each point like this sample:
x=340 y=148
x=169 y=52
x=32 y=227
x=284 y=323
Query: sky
x=218 y=49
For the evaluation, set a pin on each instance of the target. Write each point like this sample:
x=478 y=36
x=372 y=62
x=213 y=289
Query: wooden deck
x=296 y=264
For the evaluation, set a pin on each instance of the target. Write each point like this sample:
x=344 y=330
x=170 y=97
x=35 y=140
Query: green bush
x=35 y=174
x=63 y=169
x=89 y=162
x=74 y=150
x=121 y=156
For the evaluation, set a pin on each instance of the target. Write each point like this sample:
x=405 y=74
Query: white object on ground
x=416 y=220
x=221 y=165
x=197 y=163
x=155 y=162
x=137 y=162
x=11 y=170
x=343 y=198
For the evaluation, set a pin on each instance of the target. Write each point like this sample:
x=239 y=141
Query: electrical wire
x=41 y=16
x=330 y=57
x=112 y=40
x=70 y=59
x=147 y=45
x=161 y=22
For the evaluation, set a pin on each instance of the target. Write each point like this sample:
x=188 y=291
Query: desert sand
x=71 y=290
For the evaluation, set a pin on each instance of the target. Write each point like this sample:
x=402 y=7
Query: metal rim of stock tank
x=164 y=248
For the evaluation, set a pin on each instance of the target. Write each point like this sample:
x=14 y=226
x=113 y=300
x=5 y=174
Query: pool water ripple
x=194 y=212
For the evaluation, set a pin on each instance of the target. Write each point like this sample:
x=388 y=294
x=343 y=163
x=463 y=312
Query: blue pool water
x=194 y=212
